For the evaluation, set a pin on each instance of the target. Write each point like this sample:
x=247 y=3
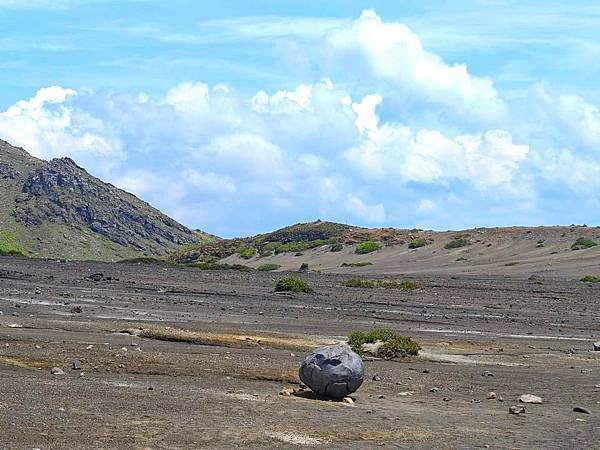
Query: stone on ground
x=334 y=371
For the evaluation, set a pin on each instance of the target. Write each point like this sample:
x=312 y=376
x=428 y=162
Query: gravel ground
x=180 y=358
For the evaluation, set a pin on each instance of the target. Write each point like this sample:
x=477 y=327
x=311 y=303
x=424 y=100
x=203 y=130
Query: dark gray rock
x=581 y=409
x=76 y=365
x=596 y=346
x=334 y=371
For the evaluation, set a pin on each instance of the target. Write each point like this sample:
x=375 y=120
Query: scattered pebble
x=380 y=396
x=76 y=365
x=529 y=398
x=434 y=389
x=57 y=371
x=376 y=378
x=519 y=409
x=487 y=374
x=348 y=400
x=596 y=346
x=491 y=396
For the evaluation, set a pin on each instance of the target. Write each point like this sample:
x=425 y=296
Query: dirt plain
x=180 y=358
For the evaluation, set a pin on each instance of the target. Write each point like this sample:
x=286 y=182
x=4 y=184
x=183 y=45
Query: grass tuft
x=268 y=267
x=591 y=279
x=583 y=243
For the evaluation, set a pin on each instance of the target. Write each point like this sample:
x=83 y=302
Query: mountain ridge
x=57 y=209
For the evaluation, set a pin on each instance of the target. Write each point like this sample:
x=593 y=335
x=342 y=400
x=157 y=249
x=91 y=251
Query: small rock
x=260 y=313
x=376 y=378
x=500 y=399
x=426 y=371
x=581 y=409
x=76 y=365
x=348 y=400
x=434 y=389
x=380 y=396
x=89 y=347
x=446 y=399
x=586 y=370
x=519 y=409
x=57 y=371
x=287 y=391
x=38 y=291
x=487 y=374
x=404 y=394
x=77 y=310
x=529 y=398
x=596 y=346
x=491 y=396
x=37 y=347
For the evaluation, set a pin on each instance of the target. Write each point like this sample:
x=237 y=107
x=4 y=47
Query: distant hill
x=338 y=248
x=56 y=209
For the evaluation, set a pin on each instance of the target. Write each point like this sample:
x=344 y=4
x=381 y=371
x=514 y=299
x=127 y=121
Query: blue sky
x=240 y=117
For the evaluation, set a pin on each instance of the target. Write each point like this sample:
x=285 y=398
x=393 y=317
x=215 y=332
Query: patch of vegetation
x=366 y=247
x=9 y=245
x=591 y=279
x=212 y=265
x=292 y=284
x=336 y=247
x=457 y=243
x=406 y=285
x=583 y=243
x=247 y=252
x=393 y=344
x=299 y=246
x=357 y=264
x=419 y=242
x=268 y=267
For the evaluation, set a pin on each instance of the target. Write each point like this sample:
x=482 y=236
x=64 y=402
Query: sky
x=240 y=117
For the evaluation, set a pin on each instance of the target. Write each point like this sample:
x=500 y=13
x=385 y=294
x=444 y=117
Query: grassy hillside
x=56 y=209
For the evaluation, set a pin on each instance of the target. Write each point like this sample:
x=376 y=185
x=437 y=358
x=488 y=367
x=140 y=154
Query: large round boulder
x=334 y=371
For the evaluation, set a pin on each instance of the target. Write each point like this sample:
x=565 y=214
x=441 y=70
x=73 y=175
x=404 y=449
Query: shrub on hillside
x=590 y=279
x=366 y=247
x=292 y=284
x=457 y=243
x=419 y=242
x=336 y=247
x=247 y=252
x=582 y=243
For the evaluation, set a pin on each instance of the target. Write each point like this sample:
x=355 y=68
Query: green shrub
x=358 y=283
x=268 y=267
x=211 y=265
x=292 y=284
x=9 y=245
x=591 y=279
x=366 y=247
x=357 y=264
x=457 y=243
x=299 y=246
x=247 y=252
x=393 y=344
x=418 y=243
x=406 y=285
x=583 y=243
x=336 y=247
